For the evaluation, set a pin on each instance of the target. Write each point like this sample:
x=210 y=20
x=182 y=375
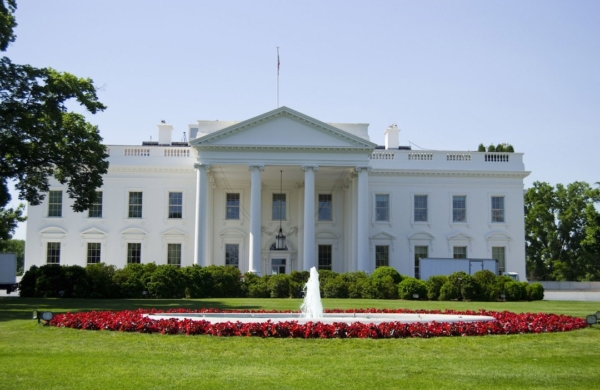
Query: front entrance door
x=277 y=266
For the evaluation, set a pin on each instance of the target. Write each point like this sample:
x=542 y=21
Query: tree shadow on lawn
x=22 y=308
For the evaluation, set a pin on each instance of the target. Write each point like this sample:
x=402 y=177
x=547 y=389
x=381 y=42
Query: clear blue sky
x=451 y=74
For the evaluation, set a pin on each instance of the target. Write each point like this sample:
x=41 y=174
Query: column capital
x=307 y=167
x=205 y=166
x=365 y=168
x=256 y=166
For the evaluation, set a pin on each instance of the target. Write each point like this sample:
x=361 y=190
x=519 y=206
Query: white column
x=200 y=239
x=309 y=216
x=362 y=250
x=354 y=253
x=300 y=258
x=255 y=218
x=348 y=264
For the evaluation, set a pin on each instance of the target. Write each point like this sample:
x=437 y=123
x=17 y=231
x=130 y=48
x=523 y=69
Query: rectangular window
x=93 y=252
x=174 y=254
x=497 y=209
x=325 y=213
x=278 y=211
x=499 y=253
x=277 y=266
x=232 y=255
x=55 y=204
x=325 y=257
x=233 y=206
x=382 y=256
x=134 y=253
x=135 y=205
x=95 y=210
x=175 y=205
x=382 y=208
x=459 y=208
x=421 y=252
x=420 y=208
x=460 y=252
x=53 y=253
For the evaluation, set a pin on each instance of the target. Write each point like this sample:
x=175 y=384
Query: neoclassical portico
x=318 y=159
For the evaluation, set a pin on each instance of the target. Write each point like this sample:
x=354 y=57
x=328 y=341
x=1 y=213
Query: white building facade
x=342 y=202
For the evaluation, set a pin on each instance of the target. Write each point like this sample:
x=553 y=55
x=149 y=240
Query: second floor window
x=55 y=204
x=278 y=207
x=233 y=206
x=382 y=207
x=325 y=213
x=95 y=210
x=135 y=205
x=497 y=209
x=420 y=208
x=459 y=208
x=175 y=205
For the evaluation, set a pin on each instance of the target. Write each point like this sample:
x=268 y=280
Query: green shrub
x=279 y=286
x=487 y=282
x=225 y=281
x=259 y=289
x=335 y=288
x=324 y=276
x=448 y=291
x=50 y=281
x=298 y=280
x=524 y=286
x=535 y=292
x=379 y=288
x=470 y=290
x=166 y=282
x=512 y=290
x=434 y=285
x=408 y=287
x=101 y=283
x=197 y=281
x=131 y=280
x=28 y=282
x=387 y=271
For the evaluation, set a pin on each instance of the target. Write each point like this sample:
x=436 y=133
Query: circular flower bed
x=135 y=321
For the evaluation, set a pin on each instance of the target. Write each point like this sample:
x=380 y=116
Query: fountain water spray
x=312 y=306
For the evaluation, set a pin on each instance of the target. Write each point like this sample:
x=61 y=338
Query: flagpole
x=277 y=76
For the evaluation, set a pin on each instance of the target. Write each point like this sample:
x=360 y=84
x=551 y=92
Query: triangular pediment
x=282 y=128
x=382 y=236
x=458 y=236
x=93 y=233
x=173 y=233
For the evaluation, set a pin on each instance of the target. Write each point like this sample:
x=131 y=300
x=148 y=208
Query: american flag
x=278 y=63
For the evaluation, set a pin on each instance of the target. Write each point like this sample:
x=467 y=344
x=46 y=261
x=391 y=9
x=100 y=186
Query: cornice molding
x=439 y=173
x=151 y=169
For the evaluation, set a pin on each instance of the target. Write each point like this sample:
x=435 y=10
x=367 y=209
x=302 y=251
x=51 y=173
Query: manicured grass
x=34 y=356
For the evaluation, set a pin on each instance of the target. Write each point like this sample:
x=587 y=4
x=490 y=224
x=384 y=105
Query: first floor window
x=421 y=252
x=382 y=208
x=277 y=266
x=135 y=205
x=420 y=208
x=325 y=257
x=460 y=252
x=325 y=212
x=53 y=253
x=497 y=209
x=382 y=256
x=499 y=253
x=134 y=253
x=93 y=252
x=95 y=210
x=55 y=204
x=174 y=254
x=459 y=208
x=232 y=255
x=175 y=205
x=233 y=206
x=278 y=212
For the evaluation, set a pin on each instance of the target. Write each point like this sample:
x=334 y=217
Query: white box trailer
x=442 y=266
x=8 y=272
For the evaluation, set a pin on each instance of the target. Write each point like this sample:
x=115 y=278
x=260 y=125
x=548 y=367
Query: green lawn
x=35 y=356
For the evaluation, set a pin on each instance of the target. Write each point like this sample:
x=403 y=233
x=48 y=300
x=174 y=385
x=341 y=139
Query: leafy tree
x=40 y=138
x=481 y=148
x=562 y=226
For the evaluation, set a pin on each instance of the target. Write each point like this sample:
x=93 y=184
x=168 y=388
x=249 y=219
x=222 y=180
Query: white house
x=342 y=202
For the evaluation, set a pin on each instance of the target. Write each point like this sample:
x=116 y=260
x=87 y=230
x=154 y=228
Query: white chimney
x=164 y=133
x=392 y=140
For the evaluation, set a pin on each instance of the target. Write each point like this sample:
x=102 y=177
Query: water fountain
x=312 y=311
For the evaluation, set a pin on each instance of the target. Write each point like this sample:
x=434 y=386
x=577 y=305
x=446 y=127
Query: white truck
x=443 y=266
x=8 y=272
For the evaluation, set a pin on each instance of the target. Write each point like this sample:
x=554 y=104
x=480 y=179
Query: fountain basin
x=327 y=318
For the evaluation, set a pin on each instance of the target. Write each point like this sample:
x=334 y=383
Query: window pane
x=382 y=256
x=135 y=205
x=421 y=252
x=233 y=206
x=55 y=204
x=420 y=208
x=382 y=209
x=460 y=252
x=174 y=254
x=325 y=257
x=499 y=253
x=278 y=207
x=497 y=209
x=459 y=208
x=134 y=252
x=175 y=205
x=93 y=252
x=232 y=255
x=324 y=207
x=95 y=210
x=53 y=253
x=277 y=266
